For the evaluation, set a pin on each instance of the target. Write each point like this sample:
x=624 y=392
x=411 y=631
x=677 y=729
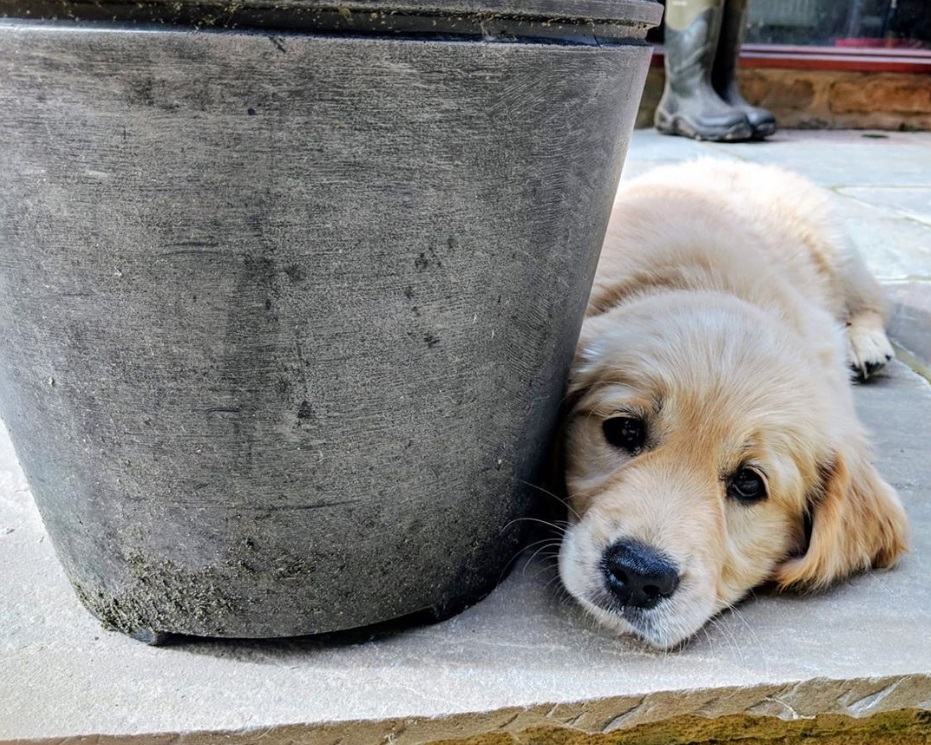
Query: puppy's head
x=705 y=454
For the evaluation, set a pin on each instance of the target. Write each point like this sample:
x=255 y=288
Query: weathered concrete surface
x=526 y=660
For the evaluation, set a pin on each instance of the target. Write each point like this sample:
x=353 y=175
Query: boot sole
x=682 y=127
x=763 y=131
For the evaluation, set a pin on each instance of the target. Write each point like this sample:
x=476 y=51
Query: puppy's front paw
x=868 y=348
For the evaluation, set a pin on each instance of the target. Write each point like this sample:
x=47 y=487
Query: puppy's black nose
x=638 y=575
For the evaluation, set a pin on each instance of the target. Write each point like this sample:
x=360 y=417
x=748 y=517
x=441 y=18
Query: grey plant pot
x=287 y=303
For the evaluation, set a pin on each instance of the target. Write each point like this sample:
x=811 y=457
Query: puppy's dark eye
x=746 y=486
x=625 y=432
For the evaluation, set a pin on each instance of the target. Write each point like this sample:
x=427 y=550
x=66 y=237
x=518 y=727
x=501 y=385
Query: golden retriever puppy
x=712 y=443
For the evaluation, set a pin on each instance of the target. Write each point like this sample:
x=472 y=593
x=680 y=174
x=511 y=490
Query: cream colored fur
x=727 y=310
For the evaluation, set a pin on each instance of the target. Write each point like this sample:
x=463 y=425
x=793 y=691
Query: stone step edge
x=817 y=707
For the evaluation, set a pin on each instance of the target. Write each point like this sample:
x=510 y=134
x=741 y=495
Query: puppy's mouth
x=634 y=588
x=650 y=624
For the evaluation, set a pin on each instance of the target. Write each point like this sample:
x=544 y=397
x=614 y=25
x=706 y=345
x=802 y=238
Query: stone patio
x=526 y=665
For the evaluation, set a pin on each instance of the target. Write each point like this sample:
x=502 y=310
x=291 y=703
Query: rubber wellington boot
x=724 y=72
x=690 y=106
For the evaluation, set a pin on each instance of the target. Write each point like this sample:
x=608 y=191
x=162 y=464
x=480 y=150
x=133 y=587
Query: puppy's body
x=760 y=233
x=713 y=443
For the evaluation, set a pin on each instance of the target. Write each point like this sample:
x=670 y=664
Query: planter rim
x=614 y=11
x=538 y=19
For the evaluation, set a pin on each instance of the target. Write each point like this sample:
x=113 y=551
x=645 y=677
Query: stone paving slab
x=835 y=158
x=896 y=248
x=844 y=158
x=912 y=203
x=910 y=321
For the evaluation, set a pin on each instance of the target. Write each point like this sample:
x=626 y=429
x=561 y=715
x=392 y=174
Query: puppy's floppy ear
x=857 y=522
x=584 y=371
x=589 y=355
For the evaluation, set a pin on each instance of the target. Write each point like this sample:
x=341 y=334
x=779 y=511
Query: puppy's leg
x=864 y=312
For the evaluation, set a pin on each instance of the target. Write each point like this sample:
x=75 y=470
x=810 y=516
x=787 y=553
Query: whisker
x=549 y=542
x=542 y=540
x=561 y=589
x=728 y=633
x=535 y=553
x=732 y=607
x=559 y=499
x=563 y=528
x=541 y=572
x=708 y=637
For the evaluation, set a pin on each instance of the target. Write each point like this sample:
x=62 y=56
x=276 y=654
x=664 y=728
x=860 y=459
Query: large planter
x=285 y=315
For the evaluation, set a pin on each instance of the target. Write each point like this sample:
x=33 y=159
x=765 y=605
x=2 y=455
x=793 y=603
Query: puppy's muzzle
x=638 y=576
